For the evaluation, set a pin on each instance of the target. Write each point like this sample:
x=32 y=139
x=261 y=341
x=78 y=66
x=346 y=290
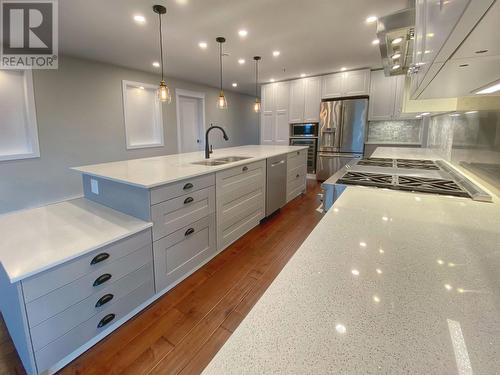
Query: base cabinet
x=296 y=174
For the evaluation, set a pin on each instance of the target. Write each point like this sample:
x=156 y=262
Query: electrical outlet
x=94 y=186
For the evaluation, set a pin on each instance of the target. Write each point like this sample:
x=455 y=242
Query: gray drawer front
x=66 y=344
x=297 y=158
x=66 y=273
x=66 y=296
x=58 y=325
x=176 y=189
x=299 y=172
x=179 y=254
x=176 y=213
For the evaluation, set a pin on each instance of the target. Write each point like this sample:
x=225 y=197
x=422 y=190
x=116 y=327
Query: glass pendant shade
x=221 y=101
x=256 y=106
x=164 y=93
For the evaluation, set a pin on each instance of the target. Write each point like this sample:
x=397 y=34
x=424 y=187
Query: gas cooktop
x=406 y=183
x=399 y=163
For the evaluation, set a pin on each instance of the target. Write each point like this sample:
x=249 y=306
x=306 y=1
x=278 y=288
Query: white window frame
x=158 y=118
x=29 y=101
x=190 y=94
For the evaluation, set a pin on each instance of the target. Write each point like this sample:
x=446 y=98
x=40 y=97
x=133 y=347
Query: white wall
x=80 y=121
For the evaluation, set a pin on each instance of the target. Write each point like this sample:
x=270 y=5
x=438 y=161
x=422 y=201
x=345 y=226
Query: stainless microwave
x=304 y=130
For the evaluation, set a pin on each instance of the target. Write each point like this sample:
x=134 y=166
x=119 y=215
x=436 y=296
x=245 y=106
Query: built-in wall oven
x=306 y=135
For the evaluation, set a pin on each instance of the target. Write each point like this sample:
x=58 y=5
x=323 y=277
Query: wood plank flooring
x=182 y=331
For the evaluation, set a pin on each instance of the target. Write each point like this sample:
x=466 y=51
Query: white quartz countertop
x=151 y=172
x=388 y=282
x=35 y=240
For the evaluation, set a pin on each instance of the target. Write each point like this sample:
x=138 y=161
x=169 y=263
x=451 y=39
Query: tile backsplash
x=395 y=132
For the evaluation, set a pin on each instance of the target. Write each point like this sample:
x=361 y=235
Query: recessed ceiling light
x=141 y=87
x=303 y=75
x=276 y=53
x=396 y=67
x=427 y=52
x=340 y=328
x=139 y=19
x=241 y=61
x=375 y=41
x=203 y=45
x=470 y=112
x=397 y=41
x=396 y=56
x=355 y=272
x=242 y=33
x=490 y=89
x=235 y=84
x=430 y=35
x=371 y=19
x=343 y=69
x=156 y=64
x=271 y=80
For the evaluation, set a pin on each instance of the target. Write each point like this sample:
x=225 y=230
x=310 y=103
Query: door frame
x=189 y=94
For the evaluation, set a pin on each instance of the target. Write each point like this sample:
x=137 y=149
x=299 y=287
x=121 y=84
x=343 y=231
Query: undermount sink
x=221 y=161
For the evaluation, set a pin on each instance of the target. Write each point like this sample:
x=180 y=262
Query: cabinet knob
x=188 y=200
x=104 y=300
x=244 y=169
x=106 y=320
x=102 y=279
x=297 y=176
x=188 y=186
x=298 y=152
x=189 y=232
x=99 y=258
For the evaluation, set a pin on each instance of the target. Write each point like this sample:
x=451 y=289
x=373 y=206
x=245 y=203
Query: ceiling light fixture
x=271 y=80
x=163 y=90
x=140 y=19
x=221 y=101
x=256 y=106
x=243 y=33
x=489 y=90
x=375 y=42
x=397 y=41
x=276 y=53
x=303 y=75
x=343 y=69
x=235 y=84
x=371 y=19
x=156 y=64
x=203 y=45
x=241 y=61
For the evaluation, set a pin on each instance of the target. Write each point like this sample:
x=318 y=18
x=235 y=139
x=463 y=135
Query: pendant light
x=256 y=106
x=163 y=90
x=221 y=101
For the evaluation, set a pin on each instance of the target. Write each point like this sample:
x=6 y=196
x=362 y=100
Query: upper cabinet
x=305 y=99
x=386 y=97
x=274 y=128
x=441 y=28
x=353 y=83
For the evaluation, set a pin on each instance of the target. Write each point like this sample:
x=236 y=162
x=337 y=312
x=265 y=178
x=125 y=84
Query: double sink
x=221 y=161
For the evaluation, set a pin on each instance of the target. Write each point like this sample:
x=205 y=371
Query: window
x=18 y=128
x=142 y=114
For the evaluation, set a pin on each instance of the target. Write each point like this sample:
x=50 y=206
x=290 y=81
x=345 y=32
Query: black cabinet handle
x=99 y=258
x=104 y=300
x=298 y=152
x=189 y=231
x=244 y=169
x=188 y=186
x=102 y=279
x=106 y=320
x=297 y=176
x=188 y=200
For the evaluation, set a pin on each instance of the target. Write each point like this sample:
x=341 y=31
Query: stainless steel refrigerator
x=341 y=135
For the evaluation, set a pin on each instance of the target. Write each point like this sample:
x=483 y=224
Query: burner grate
x=426 y=166
x=430 y=185
x=367 y=179
x=375 y=163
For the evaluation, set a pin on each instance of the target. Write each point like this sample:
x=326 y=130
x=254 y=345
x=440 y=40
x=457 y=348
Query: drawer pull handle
x=298 y=152
x=99 y=258
x=104 y=300
x=298 y=176
x=102 y=279
x=244 y=169
x=189 y=232
x=188 y=186
x=106 y=320
x=188 y=200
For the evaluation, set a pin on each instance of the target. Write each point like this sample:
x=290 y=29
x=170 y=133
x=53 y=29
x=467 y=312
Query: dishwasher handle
x=277 y=163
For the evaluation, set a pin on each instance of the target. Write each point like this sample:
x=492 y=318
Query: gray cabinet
x=296 y=174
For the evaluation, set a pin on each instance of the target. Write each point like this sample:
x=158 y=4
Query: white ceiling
x=314 y=36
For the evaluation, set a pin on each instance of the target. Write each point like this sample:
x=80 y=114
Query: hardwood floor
x=182 y=331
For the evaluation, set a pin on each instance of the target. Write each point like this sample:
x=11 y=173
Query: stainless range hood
x=396 y=34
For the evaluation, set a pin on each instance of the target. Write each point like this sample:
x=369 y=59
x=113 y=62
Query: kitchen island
x=388 y=282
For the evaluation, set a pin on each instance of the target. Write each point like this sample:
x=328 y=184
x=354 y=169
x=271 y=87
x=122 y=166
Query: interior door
x=354 y=118
x=190 y=124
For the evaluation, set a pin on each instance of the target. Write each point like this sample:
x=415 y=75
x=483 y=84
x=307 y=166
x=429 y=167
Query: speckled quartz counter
x=388 y=283
x=35 y=240
x=151 y=172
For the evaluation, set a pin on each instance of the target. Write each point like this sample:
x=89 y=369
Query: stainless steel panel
x=354 y=118
x=330 y=125
x=276 y=183
x=330 y=163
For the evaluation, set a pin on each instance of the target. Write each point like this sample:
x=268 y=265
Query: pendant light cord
x=161 y=47
x=220 y=63
x=256 y=78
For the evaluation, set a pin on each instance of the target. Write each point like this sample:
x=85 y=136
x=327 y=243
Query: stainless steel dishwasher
x=276 y=183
